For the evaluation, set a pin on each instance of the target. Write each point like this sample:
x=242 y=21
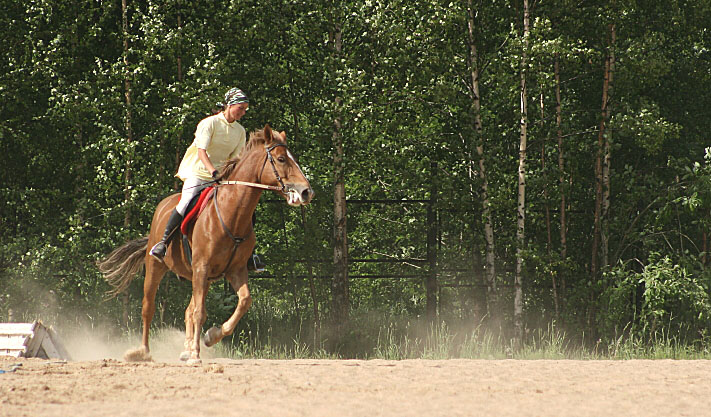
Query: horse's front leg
x=189 y=331
x=200 y=286
x=239 y=284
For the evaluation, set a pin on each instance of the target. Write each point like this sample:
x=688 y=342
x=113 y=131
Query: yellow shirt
x=221 y=140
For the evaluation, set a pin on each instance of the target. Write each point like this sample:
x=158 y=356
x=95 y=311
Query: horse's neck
x=248 y=169
x=237 y=204
x=244 y=199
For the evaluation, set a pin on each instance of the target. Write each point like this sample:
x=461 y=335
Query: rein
x=236 y=239
x=269 y=158
x=252 y=184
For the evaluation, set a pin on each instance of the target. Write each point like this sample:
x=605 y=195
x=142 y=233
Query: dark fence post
x=431 y=279
x=312 y=287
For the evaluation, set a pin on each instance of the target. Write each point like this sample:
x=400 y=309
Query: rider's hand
x=215 y=176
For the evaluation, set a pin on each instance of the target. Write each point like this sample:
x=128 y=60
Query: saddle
x=195 y=208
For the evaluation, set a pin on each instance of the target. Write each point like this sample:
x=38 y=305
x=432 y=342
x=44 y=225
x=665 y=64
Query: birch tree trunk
x=490 y=266
x=128 y=125
x=601 y=194
x=521 y=207
x=561 y=170
x=607 y=155
x=179 y=59
x=602 y=154
x=431 y=278
x=127 y=117
x=340 y=247
x=546 y=208
x=704 y=249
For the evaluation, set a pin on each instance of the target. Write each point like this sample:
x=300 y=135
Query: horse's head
x=281 y=169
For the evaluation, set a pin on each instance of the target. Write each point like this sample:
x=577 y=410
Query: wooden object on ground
x=31 y=340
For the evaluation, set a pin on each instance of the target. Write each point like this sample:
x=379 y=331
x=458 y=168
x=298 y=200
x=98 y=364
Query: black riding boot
x=254 y=263
x=158 y=251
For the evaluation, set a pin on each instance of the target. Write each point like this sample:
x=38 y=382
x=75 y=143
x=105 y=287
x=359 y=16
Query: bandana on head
x=234 y=96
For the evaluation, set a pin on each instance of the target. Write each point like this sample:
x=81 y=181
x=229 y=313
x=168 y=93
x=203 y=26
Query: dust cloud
x=96 y=343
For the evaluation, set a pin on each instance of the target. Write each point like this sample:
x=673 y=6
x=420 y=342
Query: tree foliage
x=408 y=133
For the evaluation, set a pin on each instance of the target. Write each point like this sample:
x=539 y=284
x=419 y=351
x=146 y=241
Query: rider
x=218 y=138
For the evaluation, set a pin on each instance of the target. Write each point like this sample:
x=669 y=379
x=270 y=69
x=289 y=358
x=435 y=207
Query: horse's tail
x=121 y=266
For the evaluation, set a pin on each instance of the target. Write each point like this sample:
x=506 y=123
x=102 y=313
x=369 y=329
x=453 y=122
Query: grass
x=267 y=349
x=661 y=345
x=396 y=342
x=441 y=342
x=399 y=338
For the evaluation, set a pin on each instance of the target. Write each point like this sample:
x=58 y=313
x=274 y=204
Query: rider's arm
x=202 y=154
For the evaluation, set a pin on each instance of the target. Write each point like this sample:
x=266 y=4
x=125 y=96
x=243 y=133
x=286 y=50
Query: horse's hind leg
x=200 y=286
x=189 y=331
x=155 y=271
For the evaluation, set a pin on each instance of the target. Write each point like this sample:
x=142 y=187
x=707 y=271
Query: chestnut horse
x=222 y=240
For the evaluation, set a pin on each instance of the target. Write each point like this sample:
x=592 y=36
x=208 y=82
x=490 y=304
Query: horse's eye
x=281 y=159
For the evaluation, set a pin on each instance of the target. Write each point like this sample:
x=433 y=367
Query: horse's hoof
x=137 y=355
x=212 y=336
x=194 y=362
x=184 y=355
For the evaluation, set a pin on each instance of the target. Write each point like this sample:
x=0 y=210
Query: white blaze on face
x=294 y=198
x=288 y=152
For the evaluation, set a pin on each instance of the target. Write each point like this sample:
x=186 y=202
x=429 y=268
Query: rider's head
x=235 y=104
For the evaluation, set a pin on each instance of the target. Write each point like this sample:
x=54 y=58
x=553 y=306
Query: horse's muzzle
x=298 y=194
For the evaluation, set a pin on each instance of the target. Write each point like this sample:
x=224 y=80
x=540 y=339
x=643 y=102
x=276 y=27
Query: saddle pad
x=193 y=214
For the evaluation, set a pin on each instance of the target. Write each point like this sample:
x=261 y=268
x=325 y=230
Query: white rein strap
x=269 y=158
x=253 y=184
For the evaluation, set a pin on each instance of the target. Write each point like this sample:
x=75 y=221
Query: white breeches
x=191 y=187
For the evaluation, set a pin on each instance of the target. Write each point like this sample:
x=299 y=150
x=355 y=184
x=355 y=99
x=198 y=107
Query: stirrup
x=158 y=250
x=254 y=264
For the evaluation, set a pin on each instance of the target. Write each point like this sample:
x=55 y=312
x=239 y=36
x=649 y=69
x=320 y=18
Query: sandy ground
x=356 y=388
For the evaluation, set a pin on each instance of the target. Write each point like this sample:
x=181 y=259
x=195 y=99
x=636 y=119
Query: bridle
x=282 y=188
x=271 y=161
x=270 y=158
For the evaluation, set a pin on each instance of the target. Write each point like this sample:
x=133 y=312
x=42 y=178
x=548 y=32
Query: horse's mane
x=256 y=138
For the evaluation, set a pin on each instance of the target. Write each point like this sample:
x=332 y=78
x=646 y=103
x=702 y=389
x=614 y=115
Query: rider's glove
x=215 y=176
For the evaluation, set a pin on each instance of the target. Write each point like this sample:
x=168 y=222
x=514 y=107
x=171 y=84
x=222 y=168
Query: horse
x=222 y=240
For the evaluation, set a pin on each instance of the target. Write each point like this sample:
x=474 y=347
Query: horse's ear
x=268 y=135
x=283 y=135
